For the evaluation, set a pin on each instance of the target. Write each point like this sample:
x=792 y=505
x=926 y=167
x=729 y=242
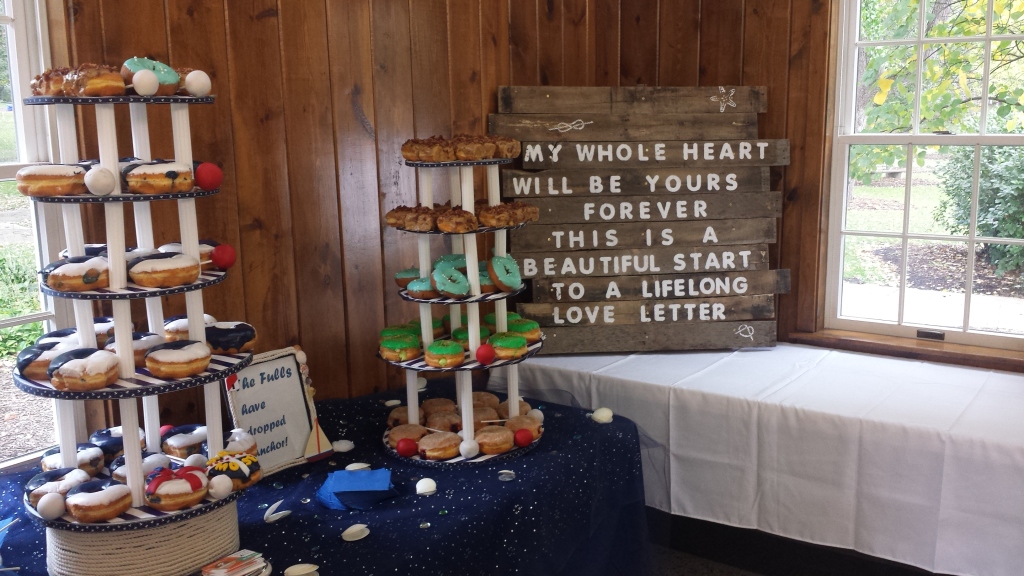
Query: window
x=30 y=234
x=927 y=208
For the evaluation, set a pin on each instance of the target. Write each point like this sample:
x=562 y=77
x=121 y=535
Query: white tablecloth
x=917 y=462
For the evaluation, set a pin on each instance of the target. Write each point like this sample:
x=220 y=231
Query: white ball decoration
x=469 y=448
x=197 y=83
x=51 y=506
x=197 y=460
x=536 y=415
x=145 y=83
x=220 y=487
x=426 y=487
x=602 y=415
x=100 y=181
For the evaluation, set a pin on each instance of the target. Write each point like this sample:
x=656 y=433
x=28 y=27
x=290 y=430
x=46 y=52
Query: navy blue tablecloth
x=576 y=506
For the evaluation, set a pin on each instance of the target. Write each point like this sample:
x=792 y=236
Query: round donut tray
x=89 y=198
x=126 y=99
x=133 y=291
x=143 y=383
x=480 y=230
x=489 y=297
x=458 y=163
x=420 y=365
x=134 y=518
x=459 y=461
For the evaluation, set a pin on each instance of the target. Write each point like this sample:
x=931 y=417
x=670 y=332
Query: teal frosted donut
x=405 y=276
x=421 y=288
x=165 y=75
x=504 y=273
x=450 y=282
x=454 y=260
x=486 y=284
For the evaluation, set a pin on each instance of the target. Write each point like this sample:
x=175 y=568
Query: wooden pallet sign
x=655 y=215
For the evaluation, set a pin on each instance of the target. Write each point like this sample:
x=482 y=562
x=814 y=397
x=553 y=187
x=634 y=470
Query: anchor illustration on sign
x=724 y=99
x=746 y=331
x=577 y=124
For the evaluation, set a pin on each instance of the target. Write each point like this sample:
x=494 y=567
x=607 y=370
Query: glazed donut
x=183 y=441
x=51 y=180
x=399 y=330
x=450 y=282
x=83 y=369
x=503 y=408
x=32 y=362
x=498 y=216
x=169 y=490
x=77 y=274
x=444 y=354
x=484 y=416
x=494 y=439
x=491 y=320
x=444 y=421
x=176 y=327
x=150 y=462
x=90 y=250
x=435 y=323
x=422 y=288
x=435 y=405
x=54 y=481
x=178 y=359
x=504 y=272
x=396 y=216
x=522 y=421
x=461 y=336
x=506 y=147
x=98 y=500
x=164 y=270
x=94 y=80
x=401 y=348
x=230 y=337
x=413 y=432
x=485 y=399
x=90 y=458
x=111 y=442
x=439 y=446
x=457 y=261
x=400 y=416
x=486 y=284
x=157 y=177
x=473 y=147
x=416 y=218
x=457 y=221
x=50 y=82
x=403 y=277
x=141 y=343
x=165 y=75
x=508 y=346
x=205 y=251
x=243 y=469
x=526 y=328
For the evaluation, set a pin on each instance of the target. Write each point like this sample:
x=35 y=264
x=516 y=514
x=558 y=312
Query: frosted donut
x=178 y=359
x=165 y=75
x=77 y=274
x=508 y=346
x=98 y=500
x=461 y=336
x=444 y=354
x=94 y=80
x=62 y=335
x=176 y=327
x=164 y=270
x=434 y=405
x=494 y=439
x=503 y=408
x=111 y=442
x=439 y=446
x=243 y=469
x=435 y=323
x=57 y=481
x=51 y=180
x=413 y=432
x=32 y=362
x=422 y=288
x=457 y=261
x=403 y=277
x=486 y=284
x=83 y=369
x=522 y=421
x=183 y=441
x=444 y=421
x=205 y=250
x=526 y=328
x=169 y=490
x=400 y=415
x=90 y=458
x=157 y=177
x=399 y=330
x=230 y=337
x=449 y=281
x=483 y=416
x=239 y=441
x=150 y=462
x=504 y=272
x=400 y=348
x=491 y=320
x=141 y=343
x=104 y=326
x=90 y=250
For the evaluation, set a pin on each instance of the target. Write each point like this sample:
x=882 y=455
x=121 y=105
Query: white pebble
x=220 y=487
x=51 y=506
x=197 y=83
x=342 y=445
x=100 y=181
x=602 y=415
x=391 y=403
x=426 y=487
x=145 y=82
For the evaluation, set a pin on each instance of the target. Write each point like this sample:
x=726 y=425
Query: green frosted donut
x=400 y=342
x=506 y=271
x=507 y=340
x=444 y=347
x=420 y=285
x=400 y=330
x=462 y=334
x=408 y=273
x=493 y=320
x=485 y=280
x=520 y=325
x=434 y=322
x=164 y=74
x=454 y=260
x=450 y=281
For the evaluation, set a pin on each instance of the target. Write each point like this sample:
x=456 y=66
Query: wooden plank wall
x=315 y=98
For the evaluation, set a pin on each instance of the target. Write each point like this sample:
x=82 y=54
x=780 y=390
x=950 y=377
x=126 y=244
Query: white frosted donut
x=162 y=264
x=194 y=351
x=86 y=456
x=240 y=441
x=99 y=362
x=186 y=439
x=159 y=168
x=52 y=170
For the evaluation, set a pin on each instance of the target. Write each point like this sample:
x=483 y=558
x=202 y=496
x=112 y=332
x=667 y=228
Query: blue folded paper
x=356 y=489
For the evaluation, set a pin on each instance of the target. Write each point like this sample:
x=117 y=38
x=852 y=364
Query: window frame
x=844 y=136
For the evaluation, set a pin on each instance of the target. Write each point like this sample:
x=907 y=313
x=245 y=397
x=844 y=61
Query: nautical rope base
x=177 y=549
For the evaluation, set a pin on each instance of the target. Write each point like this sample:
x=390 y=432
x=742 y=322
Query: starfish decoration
x=724 y=99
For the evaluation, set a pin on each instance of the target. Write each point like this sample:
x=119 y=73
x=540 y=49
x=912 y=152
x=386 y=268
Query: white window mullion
x=972 y=233
x=904 y=261
x=915 y=119
x=985 y=80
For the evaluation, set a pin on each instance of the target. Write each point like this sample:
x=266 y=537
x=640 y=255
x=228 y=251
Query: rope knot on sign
x=577 y=124
x=746 y=331
x=724 y=99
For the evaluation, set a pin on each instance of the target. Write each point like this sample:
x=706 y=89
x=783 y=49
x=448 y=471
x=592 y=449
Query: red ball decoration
x=485 y=354
x=407 y=447
x=165 y=429
x=223 y=256
x=209 y=176
x=523 y=437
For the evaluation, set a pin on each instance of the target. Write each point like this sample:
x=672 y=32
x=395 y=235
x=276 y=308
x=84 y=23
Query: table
x=575 y=507
x=916 y=462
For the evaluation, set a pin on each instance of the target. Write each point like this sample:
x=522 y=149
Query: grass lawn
x=8 y=136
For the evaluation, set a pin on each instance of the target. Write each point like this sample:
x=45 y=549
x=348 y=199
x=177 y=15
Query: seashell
x=358 y=466
x=602 y=415
x=426 y=487
x=302 y=570
x=355 y=532
x=300 y=357
x=271 y=515
x=391 y=403
x=342 y=445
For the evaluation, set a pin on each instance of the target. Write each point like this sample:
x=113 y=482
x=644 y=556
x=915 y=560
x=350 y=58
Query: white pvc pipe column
x=501 y=306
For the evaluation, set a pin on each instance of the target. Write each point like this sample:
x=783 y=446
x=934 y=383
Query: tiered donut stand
x=146 y=541
x=460 y=175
